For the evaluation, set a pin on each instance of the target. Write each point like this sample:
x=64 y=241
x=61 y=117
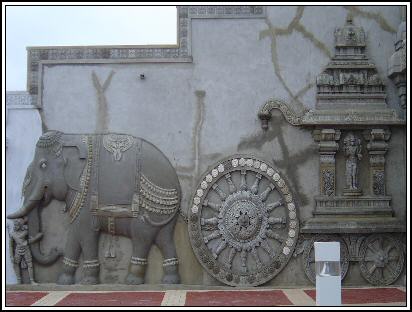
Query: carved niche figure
x=114 y=183
x=352 y=148
x=20 y=253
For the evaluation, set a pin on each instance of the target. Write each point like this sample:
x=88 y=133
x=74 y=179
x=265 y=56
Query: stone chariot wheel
x=243 y=224
x=309 y=256
x=382 y=259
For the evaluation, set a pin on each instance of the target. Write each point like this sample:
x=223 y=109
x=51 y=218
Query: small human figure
x=20 y=253
x=353 y=154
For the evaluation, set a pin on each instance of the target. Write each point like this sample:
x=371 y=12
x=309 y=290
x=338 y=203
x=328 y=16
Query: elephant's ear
x=75 y=153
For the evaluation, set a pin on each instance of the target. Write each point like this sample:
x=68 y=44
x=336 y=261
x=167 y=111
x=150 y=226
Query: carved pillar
x=377 y=148
x=328 y=147
x=397 y=61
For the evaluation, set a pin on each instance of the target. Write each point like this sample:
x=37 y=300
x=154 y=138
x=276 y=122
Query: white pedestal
x=328 y=275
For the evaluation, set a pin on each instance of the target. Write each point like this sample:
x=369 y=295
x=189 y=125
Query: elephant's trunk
x=34 y=229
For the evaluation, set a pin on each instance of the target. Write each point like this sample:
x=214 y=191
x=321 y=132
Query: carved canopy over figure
x=20 y=253
x=352 y=148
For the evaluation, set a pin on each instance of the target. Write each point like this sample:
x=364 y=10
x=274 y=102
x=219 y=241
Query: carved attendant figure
x=113 y=183
x=353 y=150
x=20 y=253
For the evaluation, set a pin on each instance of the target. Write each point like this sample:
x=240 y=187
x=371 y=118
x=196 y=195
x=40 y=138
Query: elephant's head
x=45 y=176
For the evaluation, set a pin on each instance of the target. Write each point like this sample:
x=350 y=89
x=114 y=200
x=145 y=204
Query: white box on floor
x=328 y=275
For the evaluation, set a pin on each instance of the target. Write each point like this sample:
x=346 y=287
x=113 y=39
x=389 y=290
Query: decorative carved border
x=18 y=100
x=179 y=53
x=329 y=117
x=265 y=112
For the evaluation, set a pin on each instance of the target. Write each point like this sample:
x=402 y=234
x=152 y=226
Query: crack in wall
x=273 y=33
x=200 y=94
x=302 y=91
x=102 y=107
x=295 y=24
x=377 y=17
x=191 y=172
x=44 y=127
x=289 y=163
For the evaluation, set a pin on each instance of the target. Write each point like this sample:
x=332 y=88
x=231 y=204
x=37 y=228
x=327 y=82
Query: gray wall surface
x=239 y=64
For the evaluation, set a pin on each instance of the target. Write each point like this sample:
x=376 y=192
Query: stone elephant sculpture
x=114 y=183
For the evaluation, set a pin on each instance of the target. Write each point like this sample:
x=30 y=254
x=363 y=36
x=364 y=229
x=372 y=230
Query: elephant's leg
x=142 y=236
x=91 y=265
x=70 y=261
x=165 y=242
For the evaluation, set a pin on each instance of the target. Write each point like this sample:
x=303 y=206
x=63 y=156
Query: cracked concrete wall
x=200 y=112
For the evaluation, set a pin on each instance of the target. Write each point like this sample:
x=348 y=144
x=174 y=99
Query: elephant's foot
x=171 y=278
x=170 y=271
x=132 y=279
x=90 y=280
x=65 y=279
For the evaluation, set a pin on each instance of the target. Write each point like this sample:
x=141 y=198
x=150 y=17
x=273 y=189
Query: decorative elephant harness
x=146 y=194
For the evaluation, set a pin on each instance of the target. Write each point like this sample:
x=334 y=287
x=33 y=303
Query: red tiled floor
x=113 y=299
x=22 y=298
x=359 y=296
x=236 y=298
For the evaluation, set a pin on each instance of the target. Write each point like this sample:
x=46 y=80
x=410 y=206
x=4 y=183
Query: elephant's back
x=156 y=167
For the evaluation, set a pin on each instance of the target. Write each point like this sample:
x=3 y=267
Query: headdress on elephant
x=51 y=141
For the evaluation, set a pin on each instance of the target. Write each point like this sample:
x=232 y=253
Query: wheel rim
x=243 y=224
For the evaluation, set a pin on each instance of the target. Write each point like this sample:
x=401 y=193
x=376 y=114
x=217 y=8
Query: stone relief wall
x=232 y=86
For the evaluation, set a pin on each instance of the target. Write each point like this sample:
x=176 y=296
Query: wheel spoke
x=209 y=221
x=219 y=249
x=380 y=274
x=264 y=195
x=369 y=259
x=213 y=206
x=391 y=269
x=232 y=254
x=393 y=258
x=255 y=186
x=372 y=269
x=211 y=236
x=243 y=256
x=221 y=194
x=232 y=187
x=388 y=248
x=380 y=243
x=274 y=205
x=266 y=247
x=372 y=248
x=256 y=257
x=274 y=235
x=243 y=184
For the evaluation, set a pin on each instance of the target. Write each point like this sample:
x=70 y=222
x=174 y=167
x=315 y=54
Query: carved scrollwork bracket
x=265 y=113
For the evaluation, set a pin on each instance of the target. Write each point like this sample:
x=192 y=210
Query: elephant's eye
x=43 y=165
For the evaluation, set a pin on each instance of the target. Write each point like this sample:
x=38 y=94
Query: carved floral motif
x=117 y=144
x=243 y=223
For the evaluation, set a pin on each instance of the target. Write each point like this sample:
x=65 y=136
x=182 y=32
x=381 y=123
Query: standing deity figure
x=352 y=148
x=20 y=253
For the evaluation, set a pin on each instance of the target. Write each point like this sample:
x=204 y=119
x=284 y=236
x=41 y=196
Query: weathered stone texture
x=199 y=104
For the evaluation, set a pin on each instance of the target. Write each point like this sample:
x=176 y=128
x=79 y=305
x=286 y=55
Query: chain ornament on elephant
x=113 y=183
